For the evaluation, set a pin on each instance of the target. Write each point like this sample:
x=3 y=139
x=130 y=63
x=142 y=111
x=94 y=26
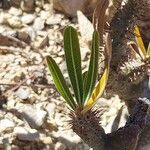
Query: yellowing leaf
x=98 y=91
x=140 y=43
x=148 y=50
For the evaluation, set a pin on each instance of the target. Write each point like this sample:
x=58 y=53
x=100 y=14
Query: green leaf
x=84 y=76
x=148 y=50
x=73 y=61
x=93 y=67
x=60 y=82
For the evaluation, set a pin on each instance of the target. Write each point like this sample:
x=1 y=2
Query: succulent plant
x=86 y=88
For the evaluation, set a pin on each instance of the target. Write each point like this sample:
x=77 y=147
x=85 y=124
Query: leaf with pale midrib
x=73 y=61
x=93 y=67
x=60 y=82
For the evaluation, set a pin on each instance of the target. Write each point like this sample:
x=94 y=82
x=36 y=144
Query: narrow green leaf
x=93 y=67
x=84 y=76
x=60 y=82
x=73 y=61
x=148 y=50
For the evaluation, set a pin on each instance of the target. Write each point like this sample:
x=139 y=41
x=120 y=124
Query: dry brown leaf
x=99 y=17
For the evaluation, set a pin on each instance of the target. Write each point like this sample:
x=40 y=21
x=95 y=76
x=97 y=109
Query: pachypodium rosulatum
x=87 y=88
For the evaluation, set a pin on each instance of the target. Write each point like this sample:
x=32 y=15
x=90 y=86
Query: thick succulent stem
x=122 y=26
x=130 y=137
x=87 y=126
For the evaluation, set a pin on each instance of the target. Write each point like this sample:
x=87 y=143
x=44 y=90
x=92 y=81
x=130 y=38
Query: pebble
x=44 y=14
x=15 y=22
x=26 y=134
x=58 y=119
x=84 y=26
x=35 y=117
x=70 y=7
x=58 y=60
x=47 y=140
x=55 y=19
x=23 y=93
x=60 y=146
x=30 y=31
x=38 y=24
x=24 y=36
x=2 y=29
x=28 y=18
x=43 y=42
x=15 y=3
x=5 y=124
x=15 y=11
x=48 y=7
x=50 y=108
x=28 y=5
x=69 y=138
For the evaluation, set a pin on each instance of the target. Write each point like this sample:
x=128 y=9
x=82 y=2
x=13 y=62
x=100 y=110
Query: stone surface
x=28 y=19
x=26 y=134
x=14 y=11
x=15 y=3
x=24 y=36
x=23 y=93
x=70 y=7
x=28 y=5
x=60 y=146
x=51 y=109
x=6 y=124
x=38 y=24
x=55 y=19
x=34 y=116
x=14 y=22
x=84 y=26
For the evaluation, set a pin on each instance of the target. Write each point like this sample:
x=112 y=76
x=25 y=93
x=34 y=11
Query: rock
x=38 y=24
x=44 y=14
x=48 y=7
x=3 y=100
x=69 y=138
x=30 y=31
x=1 y=143
x=6 y=124
x=42 y=42
x=60 y=146
x=58 y=119
x=15 y=12
x=15 y=3
x=28 y=5
x=24 y=36
x=50 y=108
x=55 y=19
x=70 y=7
x=47 y=140
x=35 y=117
x=22 y=93
x=26 y=134
x=28 y=19
x=84 y=26
x=15 y=22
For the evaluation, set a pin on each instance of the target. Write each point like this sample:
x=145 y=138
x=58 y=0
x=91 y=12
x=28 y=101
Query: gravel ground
x=32 y=114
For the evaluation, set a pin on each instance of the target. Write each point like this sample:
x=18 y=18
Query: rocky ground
x=32 y=114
